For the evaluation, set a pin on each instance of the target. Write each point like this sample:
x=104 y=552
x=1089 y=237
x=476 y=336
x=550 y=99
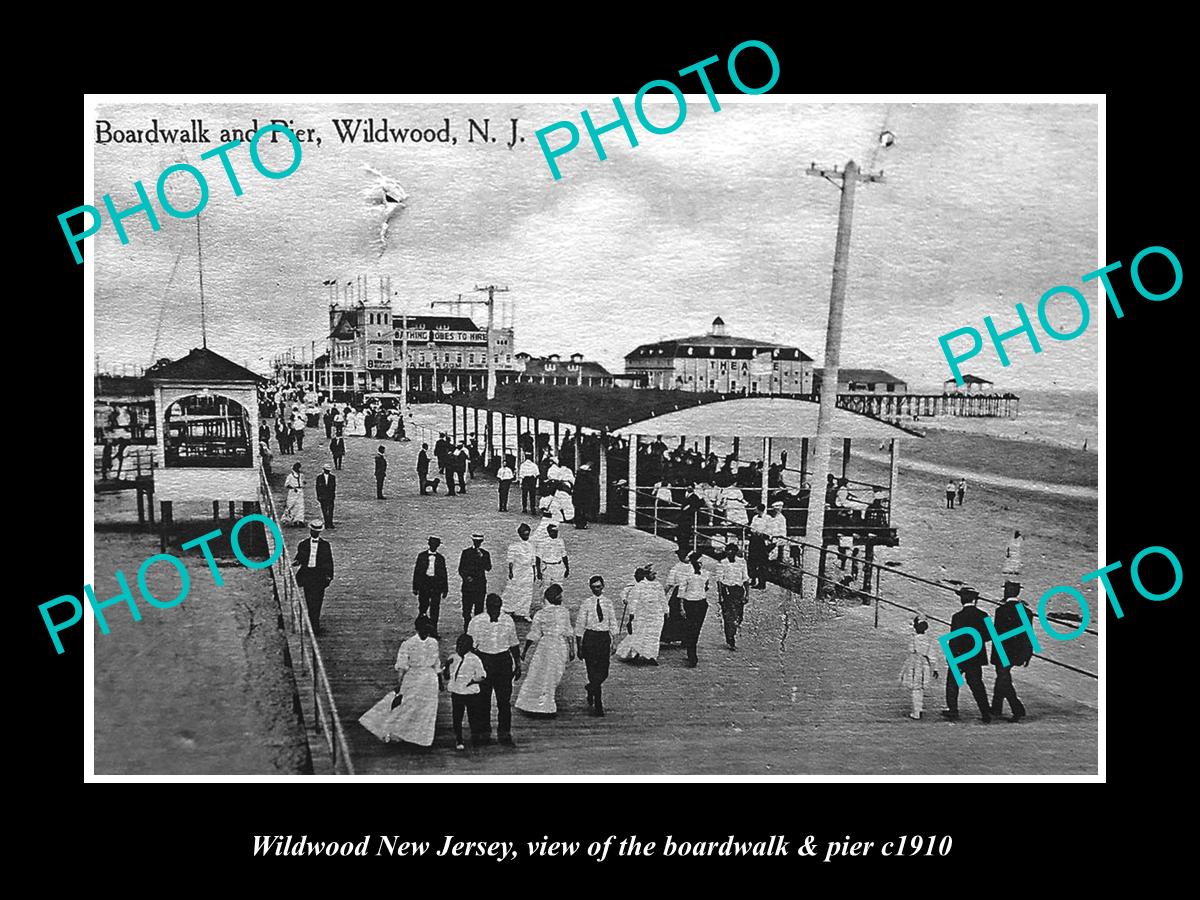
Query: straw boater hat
x=316 y=526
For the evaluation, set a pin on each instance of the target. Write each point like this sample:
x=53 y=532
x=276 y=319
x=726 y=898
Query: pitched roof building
x=718 y=361
x=553 y=369
x=857 y=381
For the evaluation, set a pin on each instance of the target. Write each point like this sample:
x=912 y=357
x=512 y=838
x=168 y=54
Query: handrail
x=329 y=722
x=878 y=599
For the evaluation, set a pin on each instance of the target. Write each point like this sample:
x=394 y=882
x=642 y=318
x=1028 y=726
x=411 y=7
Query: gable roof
x=536 y=366
x=425 y=322
x=970 y=379
x=201 y=364
x=869 y=376
x=343 y=329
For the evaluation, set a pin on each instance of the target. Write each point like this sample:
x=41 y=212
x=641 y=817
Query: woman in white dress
x=293 y=510
x=648 y=606
x=562 y=506
x=418 y=662
x=518 y=593
x=554 y=635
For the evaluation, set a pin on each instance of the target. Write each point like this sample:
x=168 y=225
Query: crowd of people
x=491 y=670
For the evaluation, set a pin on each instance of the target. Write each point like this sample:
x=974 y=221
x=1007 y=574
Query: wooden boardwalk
x=807 y=692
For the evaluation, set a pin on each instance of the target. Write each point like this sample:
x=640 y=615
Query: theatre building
x=720 y=362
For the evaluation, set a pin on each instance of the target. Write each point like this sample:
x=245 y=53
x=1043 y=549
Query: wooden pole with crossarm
x=845 y=180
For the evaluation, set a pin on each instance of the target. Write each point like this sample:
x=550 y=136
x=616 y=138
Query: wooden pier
x=906 y=406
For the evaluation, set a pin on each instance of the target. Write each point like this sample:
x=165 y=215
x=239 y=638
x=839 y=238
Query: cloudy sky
x=984 y=206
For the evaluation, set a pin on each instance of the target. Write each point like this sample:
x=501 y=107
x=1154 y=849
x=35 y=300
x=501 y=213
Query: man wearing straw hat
x=314 y=571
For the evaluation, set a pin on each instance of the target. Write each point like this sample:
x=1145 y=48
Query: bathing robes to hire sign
x=118 y=217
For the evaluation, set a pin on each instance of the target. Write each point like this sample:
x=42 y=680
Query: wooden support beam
x=633 y=448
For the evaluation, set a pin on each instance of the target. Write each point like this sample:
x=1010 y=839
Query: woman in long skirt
x=293 y=510
x=651 y=614
x=418 y=662
x=552 y=632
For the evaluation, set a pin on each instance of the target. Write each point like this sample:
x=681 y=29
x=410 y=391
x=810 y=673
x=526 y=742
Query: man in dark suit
x=337 y=449
x=1018 y=648
x=473 y=566
x=970 y=616
x=380 y=473
x=423 y=471
x=692 y=504
x=441 y=449
x=314 y=571
x=429 y=581
x=326 y=494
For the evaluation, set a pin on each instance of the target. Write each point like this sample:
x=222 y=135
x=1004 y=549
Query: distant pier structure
x=905 y=406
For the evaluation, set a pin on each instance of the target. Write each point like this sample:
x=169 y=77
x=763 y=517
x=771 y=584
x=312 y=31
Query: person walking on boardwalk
x=522 y=568
x=473 y=565
x=465 y=676
x=419 y=664
x=430 y=584
x=733 y=587
x=504 y=480
x=458 y=466
x=298 y=429
x=495 y=636
x=552 y=563
x=962 y=490
x=695 y=606
x=970 y=616
x=596 y=629
x=293 y=509
x=951 y=489
x=327 y=494
x=337 y=449
x=648 y=606
x=380 y=473
x=552 y=632
x=675 y=626
x=918 y=671
x=314 y=571
x=528 y=474
x=441 y=450
x=327 y=420
x=1018 y=649
x=423 y=471
x=756 y=558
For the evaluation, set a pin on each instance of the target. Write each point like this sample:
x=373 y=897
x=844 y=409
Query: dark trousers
x=949 y=499
x=328 y=429
x=472 y=605
x=471 y=704
x=1004 y=690
x=961 y=494
x=529 y=498
x=429 y=603
x=756 y=560
x=973 y=675
x=695 y=610
x=733 y=603
x=596 y=652
x=462 y=485
x=580 y=515
x=450 y=483
x=299 y=437
x=504 y=486
x=379 y=487
x=423 y=480
x=327 y=512
x=337 y=462
x=314 y=596
x=499 y=668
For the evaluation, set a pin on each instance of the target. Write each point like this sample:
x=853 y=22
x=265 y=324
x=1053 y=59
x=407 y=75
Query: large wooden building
x=721 y=363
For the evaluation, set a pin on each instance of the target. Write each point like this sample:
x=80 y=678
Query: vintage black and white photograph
x=744 y=450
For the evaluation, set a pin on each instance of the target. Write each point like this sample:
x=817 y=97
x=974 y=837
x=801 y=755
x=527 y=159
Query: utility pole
x=815 y=521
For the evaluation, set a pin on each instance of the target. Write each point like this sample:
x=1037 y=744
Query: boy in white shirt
x=465 y=672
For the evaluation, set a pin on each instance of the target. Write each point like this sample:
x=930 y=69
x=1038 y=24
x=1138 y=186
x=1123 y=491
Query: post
x=491 y=350
x=216 y=510
x=815 y=524
x=803 y=460
x=503 y=435
x=633 y=442
x=893 y=478
x=736 y=447
x=487 y=444
x=403 y=360
x=766 y=450
x=707 y=445
x=454 y=423
x=603 y=471
x=555 y=448
x=845 y=455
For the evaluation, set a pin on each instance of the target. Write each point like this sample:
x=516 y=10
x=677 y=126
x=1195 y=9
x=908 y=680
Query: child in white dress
x=919 y=671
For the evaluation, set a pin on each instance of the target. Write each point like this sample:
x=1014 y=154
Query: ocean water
x=1061 y=418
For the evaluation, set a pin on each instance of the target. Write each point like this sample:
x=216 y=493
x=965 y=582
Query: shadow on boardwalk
x=828 y=701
